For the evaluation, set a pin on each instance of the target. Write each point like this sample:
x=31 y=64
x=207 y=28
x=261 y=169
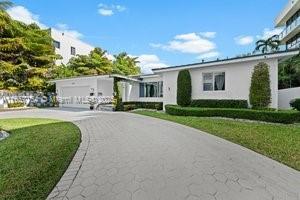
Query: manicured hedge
x=286 y=117
x=295 y=104
x=223 y=103
x=147 y=105
x=184 y=88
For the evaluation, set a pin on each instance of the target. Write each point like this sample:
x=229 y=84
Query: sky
x=161 y=33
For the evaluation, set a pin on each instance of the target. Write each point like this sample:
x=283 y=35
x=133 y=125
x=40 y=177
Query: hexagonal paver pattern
x=127 y=156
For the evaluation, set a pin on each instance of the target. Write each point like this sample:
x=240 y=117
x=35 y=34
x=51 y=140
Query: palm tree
x=5 y=4
x=269 y=45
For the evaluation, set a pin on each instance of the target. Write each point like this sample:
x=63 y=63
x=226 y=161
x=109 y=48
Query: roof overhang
x=276 y=55
x=290 y=9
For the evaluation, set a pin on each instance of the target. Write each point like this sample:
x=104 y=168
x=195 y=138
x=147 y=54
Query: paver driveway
x=126 y=156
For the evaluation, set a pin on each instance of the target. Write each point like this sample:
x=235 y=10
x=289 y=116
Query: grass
x=35 y=156
x=277 y=141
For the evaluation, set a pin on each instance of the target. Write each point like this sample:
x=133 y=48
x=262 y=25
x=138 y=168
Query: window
x=56 y=44
x=151 y=89
x=208 y=82
x=214 y=81
x=73 y=51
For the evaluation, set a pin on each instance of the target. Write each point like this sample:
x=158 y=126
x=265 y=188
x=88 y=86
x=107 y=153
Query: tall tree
x=26 y=55
x=96 y=63
x=269 y=45
x=289 y=73
x=5 y=4
x=125 y=64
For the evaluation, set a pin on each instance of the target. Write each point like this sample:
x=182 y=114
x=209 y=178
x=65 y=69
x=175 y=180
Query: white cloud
x=190 y=43
x=22 y=14
x=267 y=33
x=147 y=62
x=109 y=10
x=65 y=28
x=105 y=12
x=208 y=34
x=244 y=40
x=208 y=55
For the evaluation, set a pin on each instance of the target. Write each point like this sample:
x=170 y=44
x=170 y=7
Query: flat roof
x=96 y=76
x=279 y=54
x=288 y=11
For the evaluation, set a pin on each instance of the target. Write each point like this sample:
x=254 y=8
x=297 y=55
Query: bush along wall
x=260 y=91
x=286 y=117
x=295 y=104
x=147 y=105
x=223 y=103
x=184 y=88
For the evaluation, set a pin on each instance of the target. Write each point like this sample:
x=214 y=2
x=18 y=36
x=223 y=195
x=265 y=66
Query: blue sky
x=163 y=33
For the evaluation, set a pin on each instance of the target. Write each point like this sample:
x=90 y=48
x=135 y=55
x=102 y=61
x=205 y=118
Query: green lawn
x=35 y=156
x=279 y=142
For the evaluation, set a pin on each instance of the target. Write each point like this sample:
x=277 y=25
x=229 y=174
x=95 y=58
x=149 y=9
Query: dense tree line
x=27 y=57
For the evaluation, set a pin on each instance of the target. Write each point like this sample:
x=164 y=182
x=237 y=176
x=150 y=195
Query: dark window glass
x=56 y=44
x=151 y=89
x=73 y=51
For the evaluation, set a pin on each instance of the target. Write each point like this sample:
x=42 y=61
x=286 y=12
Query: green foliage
x=4 y=4
x=117 y=102
x=184 y=88
x=289 y=73
x=132 y=105
x=260 y=91
x=295 y=104
x=269 y=45
x=35 y=157
x=26 y=53
x=125 y=65
x=96 y=63
x=285 y=117
x=222 y=103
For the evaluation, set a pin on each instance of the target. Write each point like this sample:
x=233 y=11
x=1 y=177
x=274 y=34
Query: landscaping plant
x=184 y=88
x=260 y=91
x=295 y=104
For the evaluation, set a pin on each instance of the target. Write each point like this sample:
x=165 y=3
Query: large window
x=56 y=44
x=151 y=89
x=214 y=81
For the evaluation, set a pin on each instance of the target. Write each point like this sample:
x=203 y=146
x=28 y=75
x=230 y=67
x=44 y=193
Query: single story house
x=219 y=79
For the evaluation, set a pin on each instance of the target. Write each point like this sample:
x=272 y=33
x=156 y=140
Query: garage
x=75 y=97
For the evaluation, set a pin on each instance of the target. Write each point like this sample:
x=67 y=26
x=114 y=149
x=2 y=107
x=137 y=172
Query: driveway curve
x=128 y=156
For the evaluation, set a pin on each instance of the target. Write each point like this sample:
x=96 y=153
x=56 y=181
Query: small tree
x=184 y=88
x=117 y=102
x=260 y=91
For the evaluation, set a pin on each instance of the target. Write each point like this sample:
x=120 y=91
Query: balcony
x=290 y=31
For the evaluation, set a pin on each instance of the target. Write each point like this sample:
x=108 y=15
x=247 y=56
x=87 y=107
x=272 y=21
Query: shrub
x=260 y=91
x=223 y=103
x=184 y=88
x=117 y=101
x=295 y=104
x=147 y=105
x=18 y=104
x=285 y=117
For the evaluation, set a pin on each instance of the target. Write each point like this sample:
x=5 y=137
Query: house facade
x=289 y=18
x=220 y=79
x=68 y=46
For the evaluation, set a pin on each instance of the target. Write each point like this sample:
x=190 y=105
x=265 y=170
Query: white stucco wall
x=237 y=82
x=105 y=87
x=286 y=95
x=66 y=42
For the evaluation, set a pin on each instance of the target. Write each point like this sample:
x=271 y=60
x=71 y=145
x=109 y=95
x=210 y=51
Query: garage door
x=73 y=94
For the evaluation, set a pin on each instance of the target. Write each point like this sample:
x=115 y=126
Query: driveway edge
x=65 y=182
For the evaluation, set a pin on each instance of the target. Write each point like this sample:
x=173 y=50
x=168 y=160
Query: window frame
x=73 y=48
x=56 y=42
x=143 y=88
x=213 y=81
